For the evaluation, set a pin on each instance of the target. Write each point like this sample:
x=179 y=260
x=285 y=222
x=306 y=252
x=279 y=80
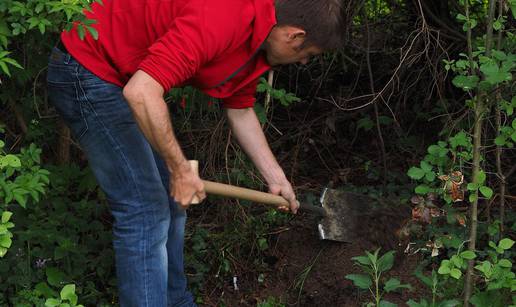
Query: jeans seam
x=133 y=178
x=79 y=137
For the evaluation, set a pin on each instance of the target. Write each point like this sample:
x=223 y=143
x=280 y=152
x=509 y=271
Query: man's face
x=283 y=46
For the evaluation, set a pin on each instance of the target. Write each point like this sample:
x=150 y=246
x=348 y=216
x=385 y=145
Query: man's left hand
x=285 y=190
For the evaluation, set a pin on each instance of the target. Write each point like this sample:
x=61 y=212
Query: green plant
x=19 y=18
x=375 y=266
x=497 y=273
x=271 y=302
x=21 y=179
x=285 y=99
x=436 y=285
x=67 y=298
x=301 y=278
x=64 y=238
x=485 y=73
x=499 y=280
x=453 y=267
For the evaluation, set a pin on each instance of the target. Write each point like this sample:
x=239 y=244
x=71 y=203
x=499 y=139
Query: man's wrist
x=274 y=176
x=176 y=165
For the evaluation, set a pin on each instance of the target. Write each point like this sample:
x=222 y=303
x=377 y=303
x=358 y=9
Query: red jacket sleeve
x=196 y=36
x=243 y=98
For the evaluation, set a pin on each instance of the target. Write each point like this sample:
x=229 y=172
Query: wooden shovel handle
x=232 y=191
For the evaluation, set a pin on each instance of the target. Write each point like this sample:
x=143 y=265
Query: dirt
x=306 y=271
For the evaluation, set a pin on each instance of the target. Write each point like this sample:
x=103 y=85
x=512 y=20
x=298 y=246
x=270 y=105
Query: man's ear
x=295 y=33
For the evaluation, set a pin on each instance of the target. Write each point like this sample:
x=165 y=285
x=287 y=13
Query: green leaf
x=394 y=284
x=20 y=198
x=360 y=280
x=422 y=303
x=422 y=189
x=55 y=277
x=41 y=27
x=499 y=55
x=487 y=299
x=472 y=198
x=468 y=255
x=449 y=303
x=444 y=269
x=486 y=191
x=52 y=302
x=260 y=113
x=455 y=273
x=10 y=160
x=373 y=256
x=506 y=243
x=430 y=176
x=434 y=150
x=262 y=244
x=497 y=25
x=457 y=261
x=512 y=3
x=426 y=166
x=68 y=293
x=461 y=17
x=481 y=177
x=362 y=260
x=12 y=62
x=6 y=215
x=500 y=140
x=93 y=32
x=386 y=261
x=386 y=304
x=80 y=31
x=472 y=186
x=465 y=82
x=365 y=123
x=460 y=139
x=485 y=267
x=5 y=241
x=45 y=290
x=504 y=263
x=416 y=173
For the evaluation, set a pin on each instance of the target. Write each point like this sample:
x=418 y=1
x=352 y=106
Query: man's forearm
x=249 y=134
x=153 y=118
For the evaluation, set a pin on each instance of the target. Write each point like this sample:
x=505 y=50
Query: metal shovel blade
x=343 y=210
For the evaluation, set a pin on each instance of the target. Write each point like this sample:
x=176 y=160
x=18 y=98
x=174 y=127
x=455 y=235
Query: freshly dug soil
x=306 y=271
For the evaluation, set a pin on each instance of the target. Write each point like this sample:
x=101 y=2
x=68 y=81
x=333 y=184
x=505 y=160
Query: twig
x=377 y=115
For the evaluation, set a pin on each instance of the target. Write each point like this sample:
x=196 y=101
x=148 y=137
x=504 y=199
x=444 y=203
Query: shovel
x=339 y=211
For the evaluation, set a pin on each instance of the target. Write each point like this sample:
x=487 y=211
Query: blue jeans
x=148 y=227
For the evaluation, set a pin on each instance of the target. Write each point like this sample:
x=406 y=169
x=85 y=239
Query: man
x=110 y=92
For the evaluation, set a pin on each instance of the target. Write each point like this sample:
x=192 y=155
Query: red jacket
x=210 y=44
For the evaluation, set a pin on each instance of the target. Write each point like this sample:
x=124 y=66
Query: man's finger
x=284 y=208
x=201 y=195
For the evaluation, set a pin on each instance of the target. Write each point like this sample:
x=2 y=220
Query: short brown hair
x=322 y=20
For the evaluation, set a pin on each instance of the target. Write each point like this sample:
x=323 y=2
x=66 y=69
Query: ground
x=297 y=252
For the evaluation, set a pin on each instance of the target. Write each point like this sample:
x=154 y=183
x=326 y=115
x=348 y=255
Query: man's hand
x=185 y=184
x=285 y=189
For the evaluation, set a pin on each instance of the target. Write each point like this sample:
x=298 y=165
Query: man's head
x=304 y=28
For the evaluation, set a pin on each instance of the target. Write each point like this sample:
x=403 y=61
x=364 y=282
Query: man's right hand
x=185 y=184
